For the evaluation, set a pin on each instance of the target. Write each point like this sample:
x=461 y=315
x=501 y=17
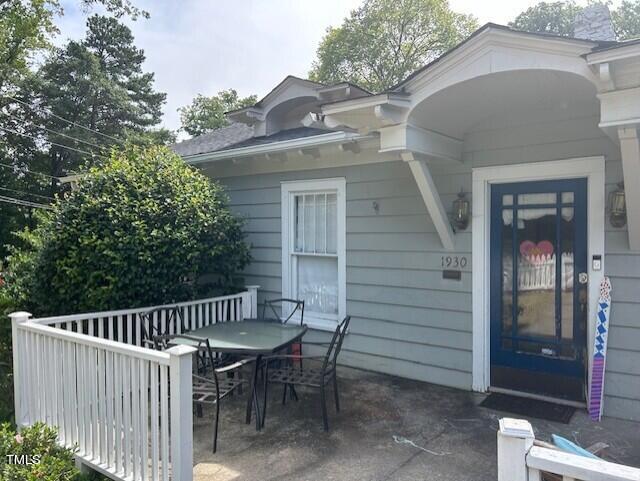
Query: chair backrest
x=331 y=358
x=273 y=304
x=152 y=332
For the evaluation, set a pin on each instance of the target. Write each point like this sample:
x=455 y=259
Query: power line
x=12 y=167
x=58 y=133
x=24 y=203
x=26 y=193
x=63 y=119
x=90 y=154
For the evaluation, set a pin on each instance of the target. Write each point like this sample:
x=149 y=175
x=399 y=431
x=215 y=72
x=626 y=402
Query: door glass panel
x=507 y=270
x=536 y=312
x=567 y=197
x=566 y=288
x=545 y=198
x=507 y=199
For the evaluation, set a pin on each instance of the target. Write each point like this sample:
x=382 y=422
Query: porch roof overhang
x=409 y=127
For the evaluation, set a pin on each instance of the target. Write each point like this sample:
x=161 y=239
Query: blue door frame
x=504 y=345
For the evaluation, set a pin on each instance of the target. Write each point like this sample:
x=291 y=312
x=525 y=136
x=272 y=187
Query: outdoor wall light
x=460 y=212
x=618 y=207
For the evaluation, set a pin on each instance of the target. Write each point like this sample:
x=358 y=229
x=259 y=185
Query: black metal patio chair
x=153 y=332
x=276 y=372
x=211 y=389
x=279 y=304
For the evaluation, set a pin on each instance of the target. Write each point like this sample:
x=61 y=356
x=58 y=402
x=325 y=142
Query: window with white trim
x=313 y=248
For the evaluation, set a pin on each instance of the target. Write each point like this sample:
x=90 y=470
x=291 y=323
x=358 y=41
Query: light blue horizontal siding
x=406 y=320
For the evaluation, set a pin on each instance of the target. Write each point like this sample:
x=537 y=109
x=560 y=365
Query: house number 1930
x=454 y=261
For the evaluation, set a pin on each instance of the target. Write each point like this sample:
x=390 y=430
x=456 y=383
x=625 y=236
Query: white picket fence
x=521 y=459
x=126 y=408
x=539 y=272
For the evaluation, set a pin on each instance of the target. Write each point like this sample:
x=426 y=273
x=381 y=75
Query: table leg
x=253 y=398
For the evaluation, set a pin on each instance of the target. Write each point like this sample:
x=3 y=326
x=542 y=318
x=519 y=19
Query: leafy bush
x=37 y=446
x=142 y=229
x=6 y=361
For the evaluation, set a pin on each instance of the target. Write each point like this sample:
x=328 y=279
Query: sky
x=204 y=46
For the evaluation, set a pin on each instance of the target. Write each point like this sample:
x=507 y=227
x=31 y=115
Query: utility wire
x=12 y=167
x=90 y=154
x=63 y=119
x=24 y=203
x=58 y=133
x=26 y=193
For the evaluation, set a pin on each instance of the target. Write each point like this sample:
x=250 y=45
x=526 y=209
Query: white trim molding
x=288 y=190
x=591 y=168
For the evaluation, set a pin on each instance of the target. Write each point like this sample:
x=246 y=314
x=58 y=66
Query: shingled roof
x=212 y=141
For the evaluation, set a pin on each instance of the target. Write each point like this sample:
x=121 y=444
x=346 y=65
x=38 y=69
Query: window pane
x=567 y=197
x=321 y=223
x=550 y=198
x=318 y=283
x=299 y=222
x=309 y=223
x=332 y=224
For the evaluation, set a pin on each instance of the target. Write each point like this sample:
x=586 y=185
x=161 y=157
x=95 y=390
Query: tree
x=383 y=41
x=205 y=114
x=556 y=17
x=559 y=18
x=142 y=229
x=26 y=27
x=97 y=83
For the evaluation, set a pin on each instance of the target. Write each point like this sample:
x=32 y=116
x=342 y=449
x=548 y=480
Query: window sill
x=320 y=324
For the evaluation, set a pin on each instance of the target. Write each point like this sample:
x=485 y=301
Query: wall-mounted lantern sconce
x=618 y=207
x=461 y=211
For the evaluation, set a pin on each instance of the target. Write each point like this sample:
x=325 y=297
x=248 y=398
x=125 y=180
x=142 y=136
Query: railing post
x=253 y=296
x=515 y=438
x=180 y=380
x=21 y=414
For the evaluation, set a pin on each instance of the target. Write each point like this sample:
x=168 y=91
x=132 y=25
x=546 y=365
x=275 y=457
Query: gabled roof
x=213 y=141
x=496 y=26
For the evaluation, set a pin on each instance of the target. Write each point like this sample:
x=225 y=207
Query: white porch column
x=630 y=150
x=21 y=412
x=180 y=365
x=515 y=439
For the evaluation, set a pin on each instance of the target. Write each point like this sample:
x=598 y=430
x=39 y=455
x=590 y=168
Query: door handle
x=583 y=278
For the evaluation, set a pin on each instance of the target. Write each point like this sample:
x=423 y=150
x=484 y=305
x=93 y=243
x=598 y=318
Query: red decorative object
x=530 y=250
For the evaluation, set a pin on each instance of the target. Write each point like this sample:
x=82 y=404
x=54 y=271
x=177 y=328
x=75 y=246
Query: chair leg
x=323 y=401
x=215 y=428
x=335 y=392
x=293 y=394
x=264 y=393
x=284 y=394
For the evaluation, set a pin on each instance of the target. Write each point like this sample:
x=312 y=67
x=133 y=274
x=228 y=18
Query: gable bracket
x=431 y=198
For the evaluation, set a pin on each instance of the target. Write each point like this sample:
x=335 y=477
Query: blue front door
x=539 y=287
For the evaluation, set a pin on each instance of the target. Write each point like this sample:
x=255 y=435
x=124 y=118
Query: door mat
x=534 y=408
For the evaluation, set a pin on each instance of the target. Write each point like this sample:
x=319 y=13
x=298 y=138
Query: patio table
x=249 y=337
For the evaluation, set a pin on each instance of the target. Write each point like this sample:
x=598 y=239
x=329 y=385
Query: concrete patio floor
x=388 y=429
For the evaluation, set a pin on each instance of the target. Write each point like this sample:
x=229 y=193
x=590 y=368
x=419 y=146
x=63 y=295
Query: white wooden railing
x=125 y=408
x=520 y=459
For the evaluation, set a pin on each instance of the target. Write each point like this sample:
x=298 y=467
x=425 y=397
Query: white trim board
x=287 y=190
x=590 y=167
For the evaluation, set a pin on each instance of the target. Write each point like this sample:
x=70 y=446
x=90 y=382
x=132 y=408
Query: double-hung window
x=313 y=248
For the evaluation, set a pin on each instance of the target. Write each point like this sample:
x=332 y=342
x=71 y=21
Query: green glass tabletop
x=250 y=336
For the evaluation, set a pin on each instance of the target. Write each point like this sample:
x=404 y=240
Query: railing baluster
x=164 y=421
x=117 y=369
x=154 y=421
x=144 y=420
x=126 y=375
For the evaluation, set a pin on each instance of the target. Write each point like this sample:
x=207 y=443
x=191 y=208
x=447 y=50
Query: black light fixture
x=461 y=211
x=618 y=207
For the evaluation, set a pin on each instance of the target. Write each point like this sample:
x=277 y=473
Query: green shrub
x=6 y=375
x=142 y=229
x=37 y=445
